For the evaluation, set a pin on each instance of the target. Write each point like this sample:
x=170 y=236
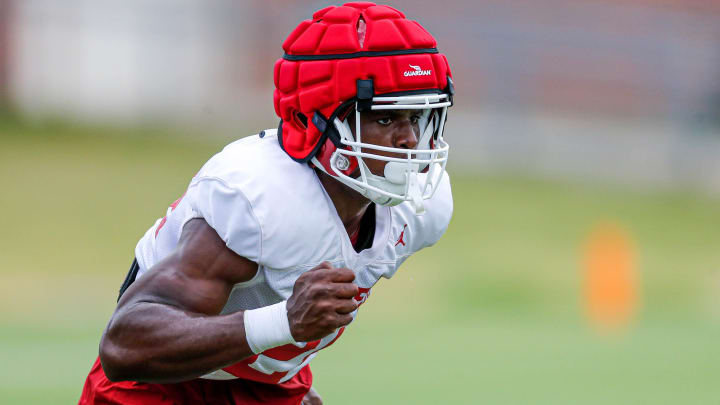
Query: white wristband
x=267 y=327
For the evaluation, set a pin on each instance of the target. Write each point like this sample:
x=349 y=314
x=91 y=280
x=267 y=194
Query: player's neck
x=349 y=204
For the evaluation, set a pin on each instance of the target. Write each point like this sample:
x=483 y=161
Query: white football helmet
x=362 y=57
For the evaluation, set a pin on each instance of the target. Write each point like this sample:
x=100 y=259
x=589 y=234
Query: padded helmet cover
x=326 y=56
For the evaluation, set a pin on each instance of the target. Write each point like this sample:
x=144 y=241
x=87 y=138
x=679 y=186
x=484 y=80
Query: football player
x=279 y=238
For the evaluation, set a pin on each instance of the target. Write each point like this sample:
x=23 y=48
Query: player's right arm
x=167 y=328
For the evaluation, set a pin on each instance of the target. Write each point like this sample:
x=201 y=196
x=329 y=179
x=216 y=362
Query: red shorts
x=99 y=390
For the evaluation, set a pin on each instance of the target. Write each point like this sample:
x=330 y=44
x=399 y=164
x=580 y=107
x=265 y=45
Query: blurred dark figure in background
x=4 y=52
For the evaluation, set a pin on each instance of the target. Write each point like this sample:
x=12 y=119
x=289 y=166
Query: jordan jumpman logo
x=400 y=239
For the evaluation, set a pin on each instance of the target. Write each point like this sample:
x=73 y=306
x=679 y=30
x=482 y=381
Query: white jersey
x=274 y=211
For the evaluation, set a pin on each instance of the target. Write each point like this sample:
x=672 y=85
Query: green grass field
x=492 y=314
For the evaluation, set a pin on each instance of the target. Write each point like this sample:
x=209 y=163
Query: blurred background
x=582 y=265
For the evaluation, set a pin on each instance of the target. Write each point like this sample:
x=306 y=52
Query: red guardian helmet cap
x=355 y=58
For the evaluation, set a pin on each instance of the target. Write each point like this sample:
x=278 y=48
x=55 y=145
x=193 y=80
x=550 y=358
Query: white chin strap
x=404 y=178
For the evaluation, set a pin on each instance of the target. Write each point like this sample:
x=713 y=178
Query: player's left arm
x=312 y=398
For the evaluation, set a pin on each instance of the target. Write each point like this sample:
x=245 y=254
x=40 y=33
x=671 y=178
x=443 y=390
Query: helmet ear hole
x=300 y=119
x=344 y=114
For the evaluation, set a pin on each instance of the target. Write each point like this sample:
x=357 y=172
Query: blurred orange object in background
x=610 y=278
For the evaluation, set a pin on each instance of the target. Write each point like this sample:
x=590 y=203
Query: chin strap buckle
x=450 y=89
x=365 y=93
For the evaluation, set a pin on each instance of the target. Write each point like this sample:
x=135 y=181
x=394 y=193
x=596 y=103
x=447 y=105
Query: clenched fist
x=322 y=301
